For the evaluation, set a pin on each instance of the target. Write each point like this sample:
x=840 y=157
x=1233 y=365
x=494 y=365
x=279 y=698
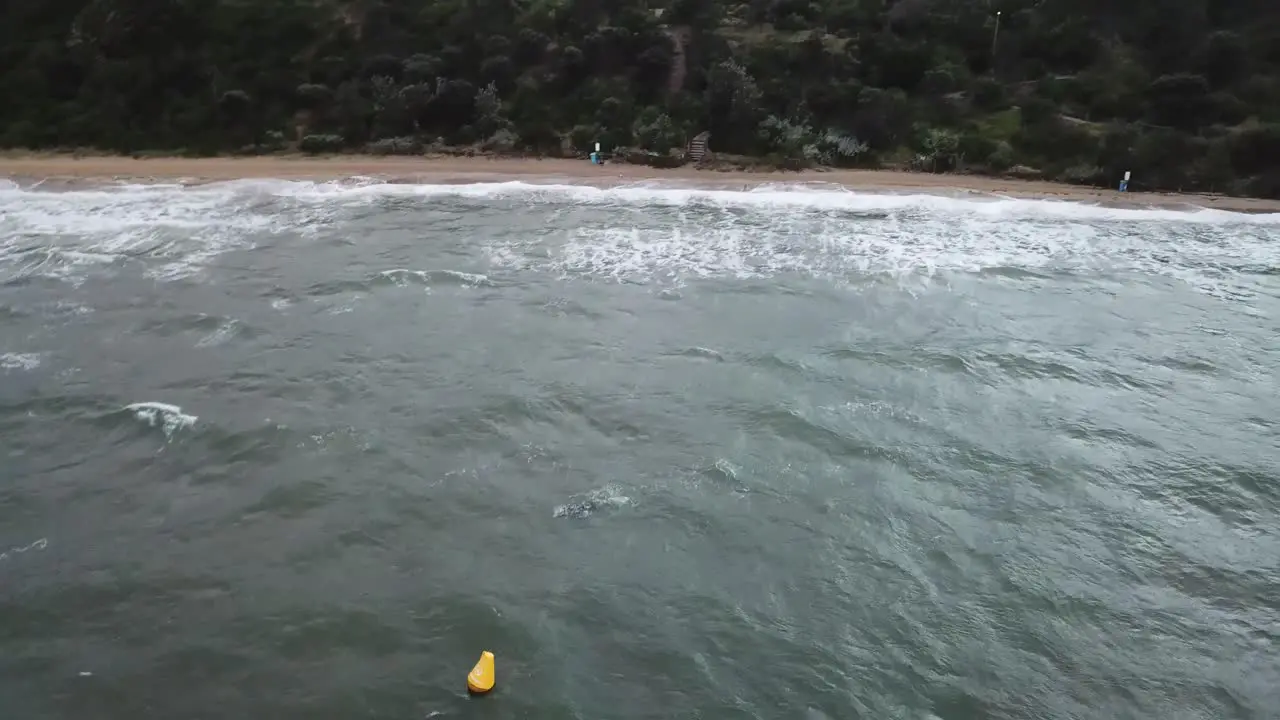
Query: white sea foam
x=466 y=278
x=402 y=276
x=583 y=505
x=68 y=307
x=191 y=206
x=62 y=234
x=40 y=544
x=19 y=361
x=169 y=417
x=650 y=231
x=1220 y=261
x=819 y=196
x=224 y=331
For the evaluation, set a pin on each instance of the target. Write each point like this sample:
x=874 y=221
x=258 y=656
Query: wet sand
x=451 y=169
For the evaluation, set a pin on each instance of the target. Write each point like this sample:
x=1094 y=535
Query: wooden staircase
x=697 y=148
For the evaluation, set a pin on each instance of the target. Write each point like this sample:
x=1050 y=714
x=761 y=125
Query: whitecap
x=466 y=278
x=20 y=361
x=220 y=335
x=402 y=276
x=585 y=504
x=40 y=544
x=169 y=417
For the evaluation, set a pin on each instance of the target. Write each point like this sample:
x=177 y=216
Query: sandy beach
x=66 y=168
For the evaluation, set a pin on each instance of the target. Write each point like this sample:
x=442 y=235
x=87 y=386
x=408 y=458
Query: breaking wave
x=169 y=418
x=637 y=232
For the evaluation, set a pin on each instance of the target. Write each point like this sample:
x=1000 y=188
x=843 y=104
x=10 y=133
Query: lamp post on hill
x=995 y=37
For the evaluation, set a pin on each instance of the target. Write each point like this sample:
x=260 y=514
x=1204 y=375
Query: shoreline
x=461 y=170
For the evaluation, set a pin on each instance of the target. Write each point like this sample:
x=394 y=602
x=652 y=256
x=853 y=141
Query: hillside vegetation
x=1184 y=93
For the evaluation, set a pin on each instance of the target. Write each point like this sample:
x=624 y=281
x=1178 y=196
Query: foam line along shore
x=54 y=170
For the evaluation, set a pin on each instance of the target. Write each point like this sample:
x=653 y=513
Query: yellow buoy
x=480 y=679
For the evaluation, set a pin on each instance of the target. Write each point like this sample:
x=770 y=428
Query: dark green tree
x=1186 y=93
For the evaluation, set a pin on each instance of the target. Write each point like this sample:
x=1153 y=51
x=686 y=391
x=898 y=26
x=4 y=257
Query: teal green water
x=280 y=450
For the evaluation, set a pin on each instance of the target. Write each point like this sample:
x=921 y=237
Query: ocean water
x=295 y=450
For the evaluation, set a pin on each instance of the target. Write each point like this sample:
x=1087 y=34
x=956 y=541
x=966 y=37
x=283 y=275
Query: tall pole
x=995 y=38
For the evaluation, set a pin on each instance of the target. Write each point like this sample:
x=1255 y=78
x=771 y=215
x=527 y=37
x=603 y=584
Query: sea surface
x=294 y=450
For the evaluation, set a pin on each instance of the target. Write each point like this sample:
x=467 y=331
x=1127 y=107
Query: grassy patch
x=757 y=35
x=1002 y=125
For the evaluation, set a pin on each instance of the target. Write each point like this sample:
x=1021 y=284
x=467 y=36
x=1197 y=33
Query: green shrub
x=1002 y=158
x=656 y=132
x=316 y=144
x=395 y=146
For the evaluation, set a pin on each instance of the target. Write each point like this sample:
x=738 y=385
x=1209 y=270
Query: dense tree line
x=1185 y=93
